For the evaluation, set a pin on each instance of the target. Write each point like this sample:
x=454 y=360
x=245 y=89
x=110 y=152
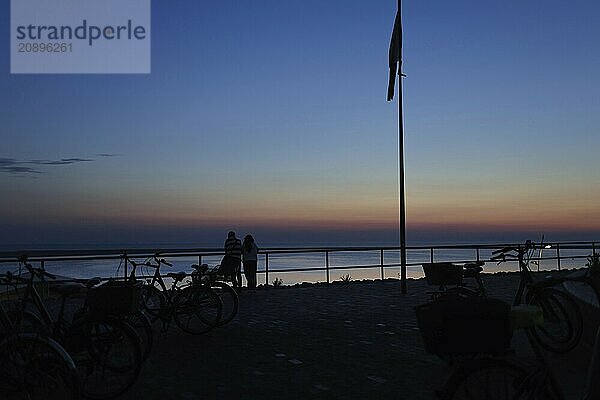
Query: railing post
x=199 y=259
x=478 y=254
x=381 y=262
x=125 y=268
x=558 y=255
x=431 y=255
x=327 y=264
x=266 y=269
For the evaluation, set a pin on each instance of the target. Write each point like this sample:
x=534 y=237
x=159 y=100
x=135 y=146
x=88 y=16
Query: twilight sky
x=270 y=117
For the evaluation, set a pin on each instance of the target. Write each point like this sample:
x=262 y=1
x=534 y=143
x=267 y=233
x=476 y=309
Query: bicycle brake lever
x=501 y=257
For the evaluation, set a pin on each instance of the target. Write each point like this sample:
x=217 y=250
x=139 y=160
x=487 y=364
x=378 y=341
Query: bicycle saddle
x=200 y=268
x=69 y=289
x=179 y=276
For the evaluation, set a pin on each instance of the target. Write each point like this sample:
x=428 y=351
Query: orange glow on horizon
x=470 y=210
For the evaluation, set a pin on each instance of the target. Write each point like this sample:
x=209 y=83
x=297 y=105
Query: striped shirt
x=233 y=248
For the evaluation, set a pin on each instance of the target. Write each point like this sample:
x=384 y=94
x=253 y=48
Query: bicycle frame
x=527 y=283
x=526 y=280
x=7 y=325
x=58 y=326
x=157 y=278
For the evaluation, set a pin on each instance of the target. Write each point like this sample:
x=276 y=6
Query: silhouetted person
x=250 y=258
x=231 y=263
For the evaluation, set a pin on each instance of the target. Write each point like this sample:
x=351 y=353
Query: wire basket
x=443 y=273
x=115 y=298
x=475 y=325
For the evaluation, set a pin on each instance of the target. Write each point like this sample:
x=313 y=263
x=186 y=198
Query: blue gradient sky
x=270 y=117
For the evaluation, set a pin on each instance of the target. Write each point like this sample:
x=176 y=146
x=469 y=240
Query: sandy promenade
x=343 y=341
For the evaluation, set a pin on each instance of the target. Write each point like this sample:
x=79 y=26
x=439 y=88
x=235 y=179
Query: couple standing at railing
x=235 y=253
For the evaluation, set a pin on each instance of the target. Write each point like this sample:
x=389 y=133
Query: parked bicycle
x=196 y=309
x=32 y=366
x=105 y=349
x=563 y=323
x=494 y=378
x=202 y=275
x=450 y=279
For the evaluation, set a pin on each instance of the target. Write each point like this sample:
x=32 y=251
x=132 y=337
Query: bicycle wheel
x=230 y=299
x=563 y=323
x=36 y=368
x=107 y=355
x=153 y=300
x=491 y=379
x=142 y=326
x=198 y=309
x=27 y=322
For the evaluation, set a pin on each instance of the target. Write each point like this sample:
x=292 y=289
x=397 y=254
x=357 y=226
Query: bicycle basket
x=475 y=325
x=115 y=298
x=443 y=273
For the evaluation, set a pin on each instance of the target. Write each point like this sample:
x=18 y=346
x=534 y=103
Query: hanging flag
x=394 y=56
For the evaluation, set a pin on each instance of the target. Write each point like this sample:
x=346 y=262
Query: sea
x=343 y=265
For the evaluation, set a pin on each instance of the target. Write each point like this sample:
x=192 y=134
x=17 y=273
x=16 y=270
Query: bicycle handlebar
x=512 y=253
x=519 y=250
x=504 y=257
x=40 y=272
x=505 y=250
x=162 y=261
x=145 y=264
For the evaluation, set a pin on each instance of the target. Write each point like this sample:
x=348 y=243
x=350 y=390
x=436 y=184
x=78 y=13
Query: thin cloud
x=62 y=161
x=14 y=167
x=19 y=170
x=20 y=167
x=107 y=155
x=7 y=162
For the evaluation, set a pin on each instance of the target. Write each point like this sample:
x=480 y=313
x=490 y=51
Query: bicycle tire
x=559 y=311
x=28 y=322
x=198 y=309
x=36 y=368
x=230 y=299
x=491 y=379
x=107 y=355
x=153 y=300
x=141 y=324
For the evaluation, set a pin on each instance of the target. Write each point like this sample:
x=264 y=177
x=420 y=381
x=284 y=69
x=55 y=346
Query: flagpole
x=401 y=183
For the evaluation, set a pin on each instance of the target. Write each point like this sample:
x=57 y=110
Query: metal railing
x=559 y=249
